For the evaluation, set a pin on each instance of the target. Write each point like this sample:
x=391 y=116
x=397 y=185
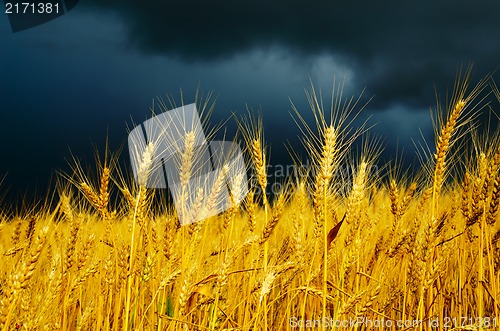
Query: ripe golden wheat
x=423 y=249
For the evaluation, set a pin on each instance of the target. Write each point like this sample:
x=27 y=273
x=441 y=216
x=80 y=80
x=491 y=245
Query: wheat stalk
x=144 y=171
x=298 y=219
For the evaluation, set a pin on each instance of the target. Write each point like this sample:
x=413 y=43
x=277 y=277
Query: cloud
x=397 y=49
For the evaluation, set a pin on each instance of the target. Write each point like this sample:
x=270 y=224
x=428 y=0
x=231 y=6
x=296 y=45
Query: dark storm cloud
x=397 y=49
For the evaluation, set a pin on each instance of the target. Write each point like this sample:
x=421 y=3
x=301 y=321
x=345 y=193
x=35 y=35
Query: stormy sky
x=67 y=84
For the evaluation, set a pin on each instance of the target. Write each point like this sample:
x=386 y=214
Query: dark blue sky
x=68 y=83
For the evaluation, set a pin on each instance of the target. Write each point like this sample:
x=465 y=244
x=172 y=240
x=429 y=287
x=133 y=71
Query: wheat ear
x=251 y=209
x=394 y=195
x=104 y=193
x=324 y=176
x=259 y=161
x=277 y=212
x=494 y=202
x=442 y=147
x=16 y=235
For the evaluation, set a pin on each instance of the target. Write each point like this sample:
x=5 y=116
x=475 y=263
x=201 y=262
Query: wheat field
x=333 y=250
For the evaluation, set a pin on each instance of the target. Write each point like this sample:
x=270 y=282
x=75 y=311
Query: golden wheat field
x=401 y=252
